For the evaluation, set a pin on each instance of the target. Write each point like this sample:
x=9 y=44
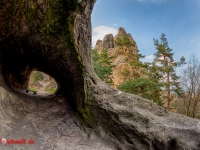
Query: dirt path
x=39 y=93
x=42 y=123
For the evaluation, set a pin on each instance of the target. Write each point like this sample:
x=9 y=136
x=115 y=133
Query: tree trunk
x=168 y=91
x=55 y=37
x=194 y=109
x=188 y=107
x=167 y=81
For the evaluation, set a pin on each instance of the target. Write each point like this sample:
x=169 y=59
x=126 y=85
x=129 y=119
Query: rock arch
x=55 y=37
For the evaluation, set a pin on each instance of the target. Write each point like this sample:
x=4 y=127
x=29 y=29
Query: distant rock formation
x=122 y=53
x=106 y=43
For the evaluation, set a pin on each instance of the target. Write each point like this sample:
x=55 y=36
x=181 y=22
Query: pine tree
x=165 y=65
x=134 y=62
x=139 y=82
x=146 y=80
x=144 y=87
x=102 y=64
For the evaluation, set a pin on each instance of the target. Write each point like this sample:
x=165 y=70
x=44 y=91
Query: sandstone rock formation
x=58 y=35
x=108 y=42
x=122 y=55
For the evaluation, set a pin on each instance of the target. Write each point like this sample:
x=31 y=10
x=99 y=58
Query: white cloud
x=191 y=41
x=150 y=57
x=100 y=31
x=161 y=58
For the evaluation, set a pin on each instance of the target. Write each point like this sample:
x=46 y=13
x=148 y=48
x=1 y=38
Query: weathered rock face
x=108 y=42
x=58 y=35
x=122 y=55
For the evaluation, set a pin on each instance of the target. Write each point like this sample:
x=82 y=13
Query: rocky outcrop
x=58 y=35
x=122 y=55
x=108 y=42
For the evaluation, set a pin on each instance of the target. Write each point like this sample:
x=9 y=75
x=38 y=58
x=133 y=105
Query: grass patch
x=33 y=89
x=51 y=90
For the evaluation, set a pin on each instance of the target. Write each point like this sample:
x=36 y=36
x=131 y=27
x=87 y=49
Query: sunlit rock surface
x=122 y=55
x=55 y=37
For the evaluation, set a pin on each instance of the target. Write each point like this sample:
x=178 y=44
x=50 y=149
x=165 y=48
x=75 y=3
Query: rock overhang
x=34 y=44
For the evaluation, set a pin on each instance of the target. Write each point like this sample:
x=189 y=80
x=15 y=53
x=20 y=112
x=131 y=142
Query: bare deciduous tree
x=190 y=81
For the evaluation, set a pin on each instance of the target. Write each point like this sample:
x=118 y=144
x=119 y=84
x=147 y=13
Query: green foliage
x=152 y=72
x=36 y=76
x=125 y=73
x=146 y=80
x=144 y=84
x=140 y=69
x=33 y=89
x=164 y=61
x=52 y=90
x=136 y=65
x=102 y=66
x=125 y=40
x=164 y=65
x=144 y=87
x=95 y=55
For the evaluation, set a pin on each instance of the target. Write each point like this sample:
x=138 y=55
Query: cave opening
x=41 y=83
x=27 y=58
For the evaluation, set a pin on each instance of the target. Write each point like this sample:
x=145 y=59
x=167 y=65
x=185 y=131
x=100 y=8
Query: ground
x=48 y=122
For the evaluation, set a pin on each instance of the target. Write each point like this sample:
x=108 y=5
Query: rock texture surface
x=108 y=42
x=47 y=121
x=58 y=35
x=122 y=55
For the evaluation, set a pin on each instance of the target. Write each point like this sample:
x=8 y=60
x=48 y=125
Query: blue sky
x=147 y=19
